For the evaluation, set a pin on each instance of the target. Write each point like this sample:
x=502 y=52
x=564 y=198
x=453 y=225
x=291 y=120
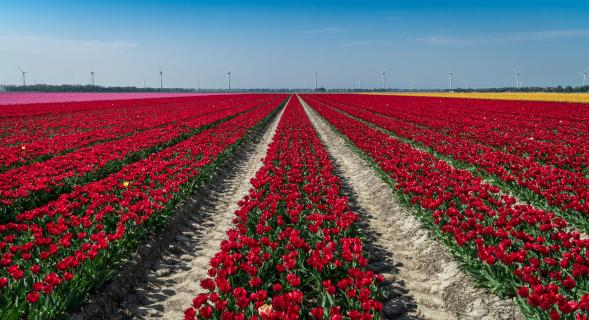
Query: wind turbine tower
x=451 y=75
x=161 y=80
x=384 y=80
x=315 y=80
x=92 y=77
x=24 y=82
x=229 y=79
x=517 y=79
x=584 y=74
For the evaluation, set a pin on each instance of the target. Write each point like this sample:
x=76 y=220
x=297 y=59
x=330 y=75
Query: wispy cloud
x=549 y=34
x=368 y=43
x=445 y=40
x=27 y=43
x=117 y=44
x=410 y=54
x=505 y=38
x=326 y=30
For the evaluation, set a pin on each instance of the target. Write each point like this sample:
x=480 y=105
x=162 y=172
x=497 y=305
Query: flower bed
x=546 y=186
x=62 y=128
x=27 y=187
x=515 y=250
x=52 y=255
x=293 y=252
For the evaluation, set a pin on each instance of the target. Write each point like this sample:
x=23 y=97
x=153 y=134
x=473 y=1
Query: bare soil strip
x=166 y=278
x=174 y=281
x=432 y=278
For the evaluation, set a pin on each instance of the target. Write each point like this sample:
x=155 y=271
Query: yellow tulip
x=529 y=96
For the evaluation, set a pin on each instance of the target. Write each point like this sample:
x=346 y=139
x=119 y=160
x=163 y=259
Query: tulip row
x=513 y=249
x=535 y=117
x=54 y=254
x=36 y=108
x=32 y=122
x=293 y=252
x=30 y=186
x=545 y=186
x=548 y=133
x=28 y=138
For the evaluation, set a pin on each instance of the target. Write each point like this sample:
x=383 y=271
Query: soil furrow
x=163 y=276
x=174 y=280
x=433 y=280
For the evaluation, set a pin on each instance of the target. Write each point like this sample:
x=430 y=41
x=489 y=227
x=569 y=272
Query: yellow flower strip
x=530 y=96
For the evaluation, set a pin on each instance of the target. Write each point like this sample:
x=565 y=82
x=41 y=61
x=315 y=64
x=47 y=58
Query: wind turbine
x=229 y=78
x=517 y=79
x=450 y=76
x=384 y=80
x=315 y=80
x=92 y=77
x=584 y=74
x=24 y=82
x=161 y=80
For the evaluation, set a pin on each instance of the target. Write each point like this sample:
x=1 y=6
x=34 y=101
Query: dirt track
x=403 y=251
x=162 y=277
x=174 y=281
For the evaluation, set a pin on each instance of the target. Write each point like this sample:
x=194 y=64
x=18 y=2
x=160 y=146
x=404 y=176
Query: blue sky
x=282 y=43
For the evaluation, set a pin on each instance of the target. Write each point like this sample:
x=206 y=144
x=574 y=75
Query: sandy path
x=173 y=283
x=431 y=277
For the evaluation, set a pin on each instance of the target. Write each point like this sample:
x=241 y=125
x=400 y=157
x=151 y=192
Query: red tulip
x=32 y=297
x=317 y=313
x=206 y=312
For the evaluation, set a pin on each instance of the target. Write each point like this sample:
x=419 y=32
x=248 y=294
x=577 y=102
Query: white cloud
x=367 y=43
x=110 y=44
x=57 y=46
x=549 y=34
x=504 y=38
x=326 y=30
x=443 y=40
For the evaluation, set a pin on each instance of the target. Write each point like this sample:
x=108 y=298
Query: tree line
x=91 y=88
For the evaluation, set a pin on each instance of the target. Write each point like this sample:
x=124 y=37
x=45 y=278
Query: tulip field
x=293 y=241
x=460 y=174
x=66 y=223
x=87 y=182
